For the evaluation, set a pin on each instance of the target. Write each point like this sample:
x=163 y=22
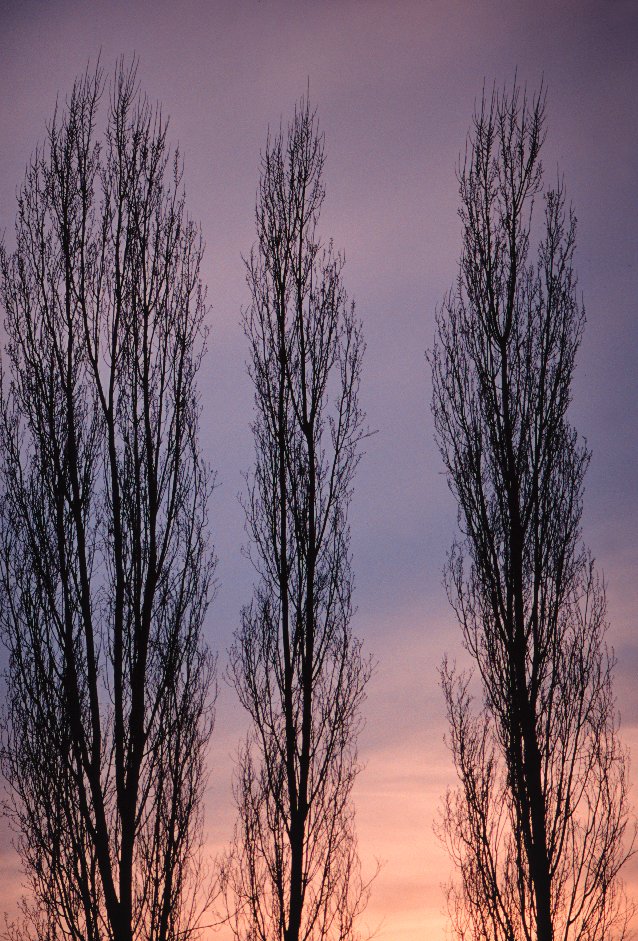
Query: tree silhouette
x=105 y=569
x=293 y=872
x=538 y=827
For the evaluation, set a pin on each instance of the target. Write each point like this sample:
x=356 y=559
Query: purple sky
x=394 y=83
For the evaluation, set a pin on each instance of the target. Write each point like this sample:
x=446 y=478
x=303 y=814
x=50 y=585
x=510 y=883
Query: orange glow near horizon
x=397 y=797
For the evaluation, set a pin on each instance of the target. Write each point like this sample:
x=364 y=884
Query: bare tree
x=105 y=567
x=293 y=872
x=539 y=825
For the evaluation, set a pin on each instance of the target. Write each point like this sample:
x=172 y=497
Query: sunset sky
x=394 y=82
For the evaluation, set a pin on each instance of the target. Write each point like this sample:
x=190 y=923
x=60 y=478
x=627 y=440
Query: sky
x=395 y=83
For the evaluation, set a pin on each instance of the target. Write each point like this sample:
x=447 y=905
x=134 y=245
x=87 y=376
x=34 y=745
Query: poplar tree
x=539 y=825
x=105 y=567
x=293 y=873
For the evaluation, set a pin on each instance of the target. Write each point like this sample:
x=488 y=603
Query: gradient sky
x=394 y=82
